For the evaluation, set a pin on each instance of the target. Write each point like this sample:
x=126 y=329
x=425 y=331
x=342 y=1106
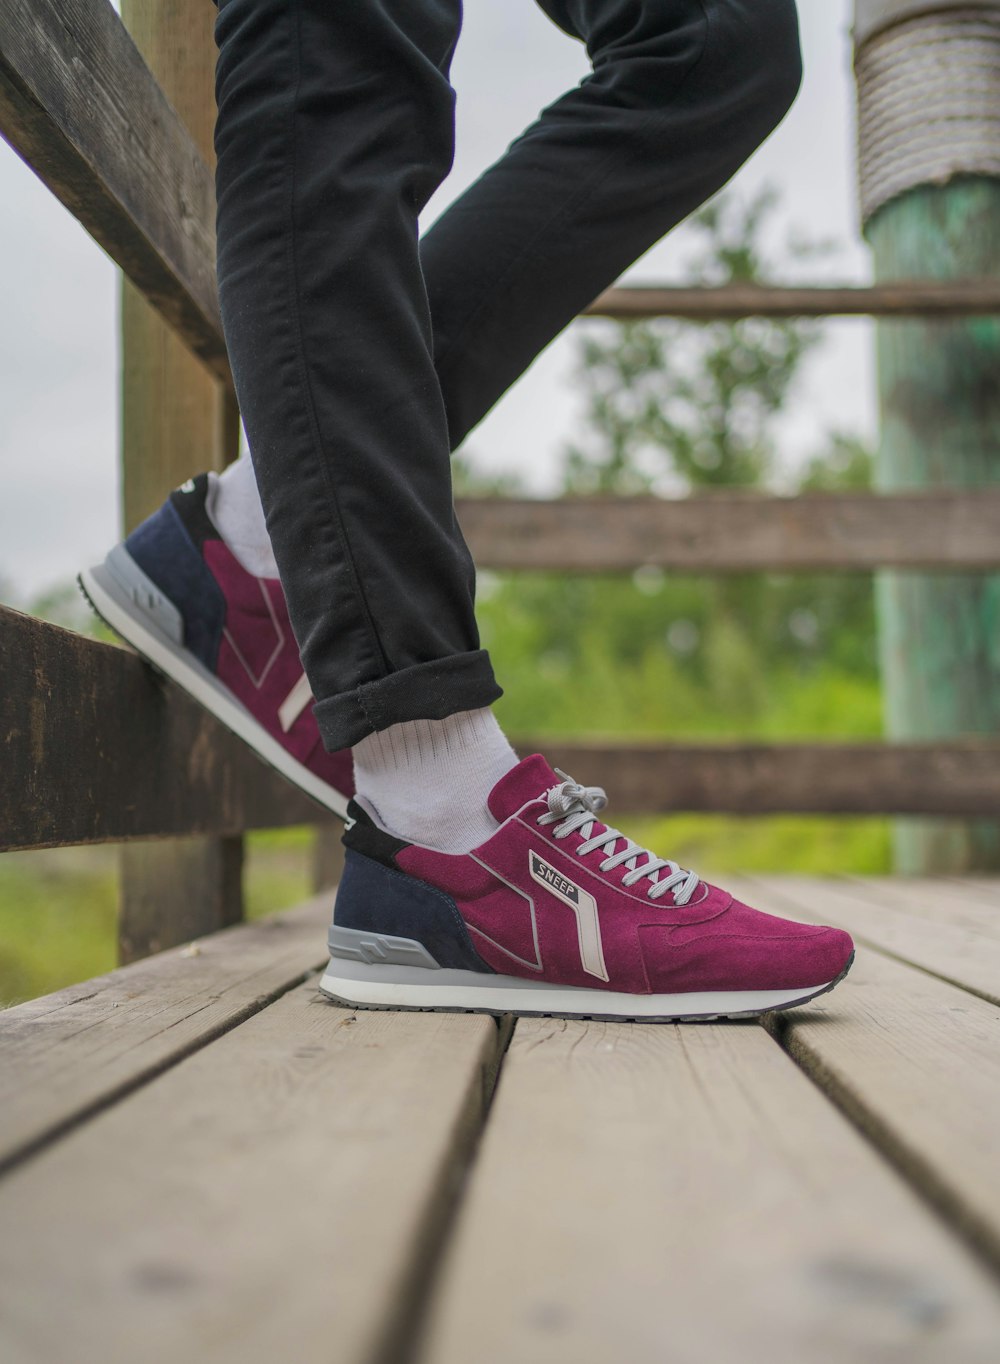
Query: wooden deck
x=203 y=1160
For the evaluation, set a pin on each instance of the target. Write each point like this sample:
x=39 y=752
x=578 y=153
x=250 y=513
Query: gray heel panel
x=143 y=594
x=378 y=949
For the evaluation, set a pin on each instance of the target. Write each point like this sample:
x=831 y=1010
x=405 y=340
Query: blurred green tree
x=673 y=406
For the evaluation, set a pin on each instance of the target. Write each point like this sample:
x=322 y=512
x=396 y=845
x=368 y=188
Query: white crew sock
x=234 y=506
x=427 y=780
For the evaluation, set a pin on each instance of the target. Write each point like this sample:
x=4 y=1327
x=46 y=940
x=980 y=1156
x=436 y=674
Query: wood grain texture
x=916 y=1063
x=981 y=889
x=274 y=1196
x=736 y=532
x=751 y=779
x=98 y=748
x=173 y=890
x=943 y=899
x=685 y=1194
x=176 y=422
x=894 y=919
x=68 y=1054
x=177 y=418
x=929 y=298
x=327 y=855
x=94 y=747
x=79 y=104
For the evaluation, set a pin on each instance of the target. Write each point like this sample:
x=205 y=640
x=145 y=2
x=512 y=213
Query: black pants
x=361 y=358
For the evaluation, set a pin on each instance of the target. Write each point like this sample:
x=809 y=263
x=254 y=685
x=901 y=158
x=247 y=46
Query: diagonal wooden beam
x=81 y=107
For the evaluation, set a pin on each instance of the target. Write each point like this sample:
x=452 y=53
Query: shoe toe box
x=744 y=949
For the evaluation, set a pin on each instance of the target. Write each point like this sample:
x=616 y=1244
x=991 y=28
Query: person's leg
x=335 y=125
x=682 y=91
x=680 y=95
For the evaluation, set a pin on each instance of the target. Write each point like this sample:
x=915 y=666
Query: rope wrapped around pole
x=928 y=82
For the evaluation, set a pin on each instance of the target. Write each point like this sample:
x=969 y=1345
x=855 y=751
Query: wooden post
x=931 y=208
x=177 y=419
x=328 y=856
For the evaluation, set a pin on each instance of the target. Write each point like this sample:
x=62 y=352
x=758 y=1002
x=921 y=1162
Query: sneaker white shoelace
x=576 y=806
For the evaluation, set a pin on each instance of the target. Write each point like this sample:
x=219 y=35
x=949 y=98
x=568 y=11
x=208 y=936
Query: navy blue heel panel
x=165 y=552
x=378 y=899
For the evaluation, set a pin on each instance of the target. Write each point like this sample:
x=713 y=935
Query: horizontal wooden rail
x=728 y=302
x=944 y=778
x=79 y=104
x=734 y=532
x=94 y=747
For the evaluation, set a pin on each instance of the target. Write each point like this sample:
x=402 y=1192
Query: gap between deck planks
x=913 y=1058
x=915 y=1062
x=685 y=1195
x=275 y=1195
x=68 y=1054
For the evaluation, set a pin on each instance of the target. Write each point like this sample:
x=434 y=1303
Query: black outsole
x=590 y=1017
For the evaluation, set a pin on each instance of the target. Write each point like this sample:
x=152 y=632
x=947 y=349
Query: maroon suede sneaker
x=177 y=593
x=557 y=913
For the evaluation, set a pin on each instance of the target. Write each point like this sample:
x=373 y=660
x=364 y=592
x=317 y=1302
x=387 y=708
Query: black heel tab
x=190 y=501
x=363 y=835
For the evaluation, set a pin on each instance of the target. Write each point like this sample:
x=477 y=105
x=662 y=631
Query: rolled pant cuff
x=427 y=691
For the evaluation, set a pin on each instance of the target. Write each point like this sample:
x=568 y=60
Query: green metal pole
x=939 y=382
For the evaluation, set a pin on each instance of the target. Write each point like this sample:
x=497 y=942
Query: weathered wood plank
x=79 y=104
x=176 y=420
x=899 y=298
x=94 y=747
x=327 y=855
x=97 y=748
x=983 y=889
x=754 y=779
x=957 y=951
x=736 y=532
x=172 y=890
x=944 y=899
x=274 y=1196
x=916 y=1062
x=71 y=1053
x=683 y=1194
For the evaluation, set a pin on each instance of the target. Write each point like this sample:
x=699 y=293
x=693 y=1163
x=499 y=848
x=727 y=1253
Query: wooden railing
x=96 y=748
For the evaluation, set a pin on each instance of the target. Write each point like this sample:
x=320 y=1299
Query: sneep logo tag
x=583 y=905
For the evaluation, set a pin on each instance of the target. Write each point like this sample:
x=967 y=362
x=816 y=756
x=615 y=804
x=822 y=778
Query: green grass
x=719 y=845
x=59 y=907
x=57 y=919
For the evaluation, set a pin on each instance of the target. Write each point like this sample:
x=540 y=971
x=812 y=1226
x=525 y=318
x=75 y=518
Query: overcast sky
x=58 y=295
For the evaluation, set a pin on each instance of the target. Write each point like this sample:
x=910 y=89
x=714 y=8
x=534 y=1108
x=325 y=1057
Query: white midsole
x=198 y=682
x=501 y=994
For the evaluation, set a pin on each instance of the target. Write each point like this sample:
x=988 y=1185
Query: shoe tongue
x=527 y=781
